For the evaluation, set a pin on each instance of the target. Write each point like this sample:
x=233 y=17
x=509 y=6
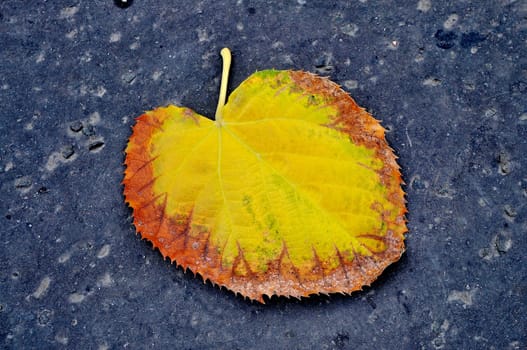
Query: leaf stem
x=226 y=55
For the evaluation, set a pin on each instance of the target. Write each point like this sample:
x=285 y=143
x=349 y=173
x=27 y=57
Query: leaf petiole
x=226 y=55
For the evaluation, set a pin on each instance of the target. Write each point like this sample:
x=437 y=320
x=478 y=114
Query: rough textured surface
x=448 y=79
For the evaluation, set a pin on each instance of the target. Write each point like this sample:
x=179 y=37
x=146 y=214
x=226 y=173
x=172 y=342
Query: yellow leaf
x=292 y=191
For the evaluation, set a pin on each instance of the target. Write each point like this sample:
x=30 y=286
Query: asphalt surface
x=448 y=79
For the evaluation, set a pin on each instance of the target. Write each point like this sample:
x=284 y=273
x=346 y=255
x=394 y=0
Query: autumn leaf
x=292 y=190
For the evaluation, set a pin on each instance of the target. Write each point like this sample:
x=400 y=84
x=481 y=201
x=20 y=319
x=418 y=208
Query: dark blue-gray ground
x=448 y=79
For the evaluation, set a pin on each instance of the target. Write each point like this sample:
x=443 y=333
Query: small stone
x=432 y=81
x=351 y=84
x=128 y=77
x=123 y=3
x=42 y=288
x=96 y=146
x=350 y=29
x=323 y=65
x=465 y=297
x=503 y=243
x=424 y=5
x=504 y=164
x=76 y=126
x=23 y=182
x=104 y=251
x=451 y=21
x=510 y=211
x=76 y=298
x=67 y=152
x=115 y=37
